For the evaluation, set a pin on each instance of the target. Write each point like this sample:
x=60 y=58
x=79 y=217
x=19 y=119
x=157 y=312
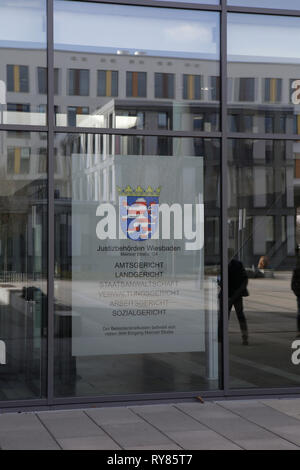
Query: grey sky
x=23 y=21
x=286 y=4
x=111 y=26
x=268 y=37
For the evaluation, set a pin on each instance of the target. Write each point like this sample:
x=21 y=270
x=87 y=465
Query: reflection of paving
x=266 y=362
x=271 y=312
x=271 y=294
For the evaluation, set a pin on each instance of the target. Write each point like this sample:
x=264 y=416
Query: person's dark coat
x=295 y=284
x=237 y=281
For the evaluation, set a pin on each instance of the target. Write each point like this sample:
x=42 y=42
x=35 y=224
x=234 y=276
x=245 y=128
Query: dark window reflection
x=23 y=265
x=90 y=168
x=79 y=82
x=263 y=227
x=246 y=89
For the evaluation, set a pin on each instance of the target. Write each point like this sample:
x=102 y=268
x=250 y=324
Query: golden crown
x=139 y=191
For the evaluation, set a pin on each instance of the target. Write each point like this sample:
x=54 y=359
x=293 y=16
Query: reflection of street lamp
x=2 y=353
x=2 y=99
x=241 y=229
x=2 y=104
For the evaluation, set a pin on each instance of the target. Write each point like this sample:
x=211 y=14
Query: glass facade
x=263 y=88
x=149 y=200
x=262 y=221
x=272 y=4
x=167 y=66
x=23 y=265
x=23 y=42
x=146 y=311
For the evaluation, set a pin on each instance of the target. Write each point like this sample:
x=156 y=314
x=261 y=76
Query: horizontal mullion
x=262 y=11
x=17 y=404
x=243 y=135
x=161 y=4
x=59 y=403
x=137 y=397
x=25 y=128
x=154 y=133
x=255 y=392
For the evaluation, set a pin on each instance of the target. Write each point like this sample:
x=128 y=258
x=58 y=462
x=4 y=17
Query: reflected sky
x=207 y=2
x=111 y=28
x=285 y=4
x=23 y=23
x=263 y=38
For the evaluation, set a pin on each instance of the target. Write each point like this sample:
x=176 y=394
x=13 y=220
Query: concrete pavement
x=267 y=424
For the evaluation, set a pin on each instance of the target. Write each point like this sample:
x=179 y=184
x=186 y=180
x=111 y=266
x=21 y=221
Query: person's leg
x=229 y=308
x=298 y=314
x=238 y=305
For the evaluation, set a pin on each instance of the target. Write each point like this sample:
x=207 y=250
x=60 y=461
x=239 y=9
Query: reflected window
x=269 y=124
x=74 y=113
x=136 y=84
x=18 y=160
x=107 y=83
x=78 y=82
x=18 y=107
x=198 y=123
x=43 y=80
x=164 y=85
x=192 y=87
x=42 y=152
x=241 y=122
x=18 y=78
x=163 y=121
x=245 y=89
x=214 y=88
x=297 y=166
x=272 y=90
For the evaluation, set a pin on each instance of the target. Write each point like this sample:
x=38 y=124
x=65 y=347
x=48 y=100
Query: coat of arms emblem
x=139 y=212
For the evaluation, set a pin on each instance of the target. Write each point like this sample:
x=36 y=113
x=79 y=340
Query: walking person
x=237 y=289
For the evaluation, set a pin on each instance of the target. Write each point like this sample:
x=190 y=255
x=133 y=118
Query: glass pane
x=142 y=62
x=283 y=4
x=264 y=208
x=23 y=265
x=136 y=294
x=23 y=72
x=263 y=71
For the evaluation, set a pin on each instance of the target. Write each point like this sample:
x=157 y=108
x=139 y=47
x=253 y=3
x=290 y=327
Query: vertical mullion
x=224 y=197
x=50 y=120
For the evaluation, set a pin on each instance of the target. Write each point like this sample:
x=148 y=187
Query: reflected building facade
x=101 y=304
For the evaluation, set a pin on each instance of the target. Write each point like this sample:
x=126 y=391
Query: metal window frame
x=52 y=402
x=51 y=208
